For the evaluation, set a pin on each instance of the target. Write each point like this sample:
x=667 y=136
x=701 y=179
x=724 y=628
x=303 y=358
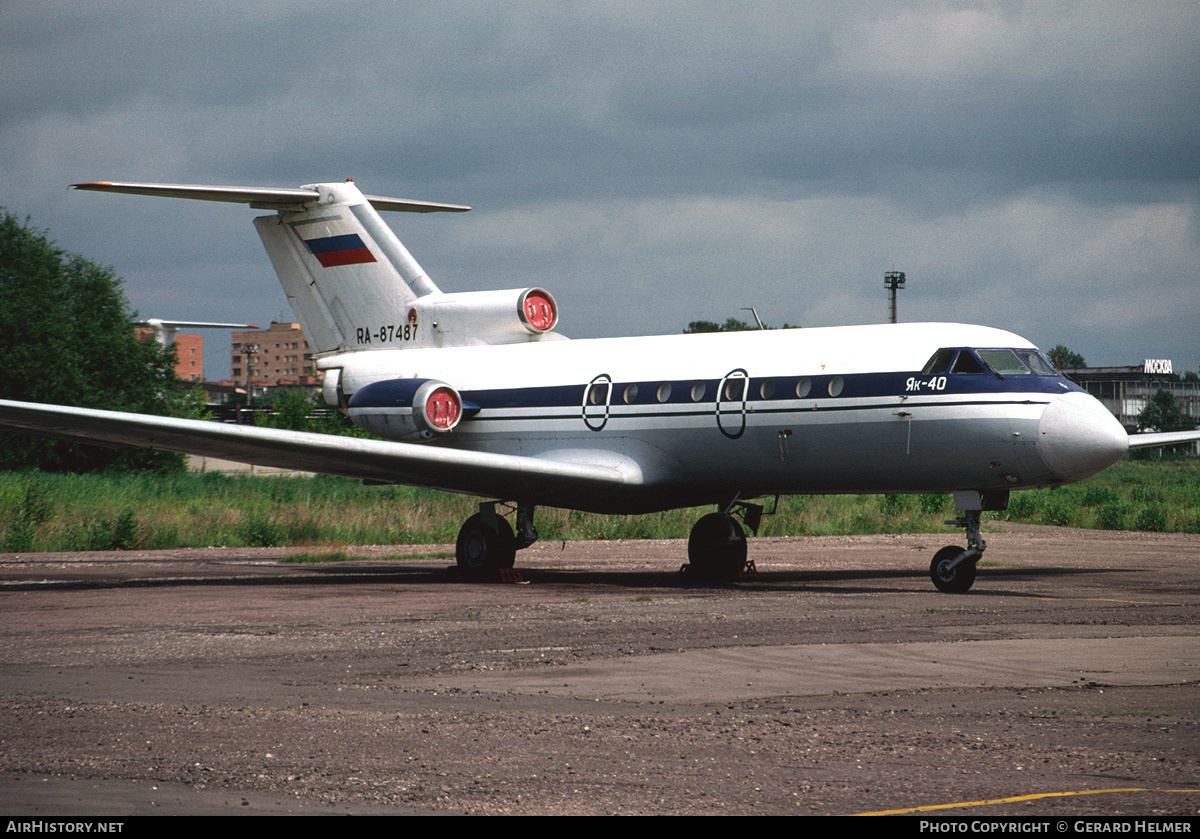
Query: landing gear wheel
x=951 y=580
x=717 y=548
x=485 y=546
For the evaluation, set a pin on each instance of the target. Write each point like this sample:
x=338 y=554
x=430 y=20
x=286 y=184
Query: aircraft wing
x=1163 y=438
x=476 y=473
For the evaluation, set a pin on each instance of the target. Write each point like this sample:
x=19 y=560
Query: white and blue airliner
x=477 y=393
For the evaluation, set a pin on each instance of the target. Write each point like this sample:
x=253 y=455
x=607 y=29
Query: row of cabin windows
x=1003 y=362
x=731 y=391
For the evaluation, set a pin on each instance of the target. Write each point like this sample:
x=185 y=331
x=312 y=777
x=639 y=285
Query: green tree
x=67 y=338
x=293 y=410
x=1065 y=359
x=1163 y=413
x=730 y=325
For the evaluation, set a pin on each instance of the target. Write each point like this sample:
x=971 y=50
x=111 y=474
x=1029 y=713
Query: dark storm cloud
x=782 y=155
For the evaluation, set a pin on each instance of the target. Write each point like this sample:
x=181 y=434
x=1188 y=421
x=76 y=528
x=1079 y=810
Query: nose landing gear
x=953 y=568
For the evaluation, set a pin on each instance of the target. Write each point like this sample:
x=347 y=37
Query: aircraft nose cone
x=1078 y=437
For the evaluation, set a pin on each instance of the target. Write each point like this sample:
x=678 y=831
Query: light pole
x=893 y=280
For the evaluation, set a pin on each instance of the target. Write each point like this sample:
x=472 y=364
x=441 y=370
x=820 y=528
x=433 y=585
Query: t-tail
x=351 y=282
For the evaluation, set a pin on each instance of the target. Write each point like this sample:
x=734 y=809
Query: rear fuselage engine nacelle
x=486 y=317
x=408 y=409
x=435 y=321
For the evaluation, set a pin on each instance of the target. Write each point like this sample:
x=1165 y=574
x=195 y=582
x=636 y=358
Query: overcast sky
x=1031 y=166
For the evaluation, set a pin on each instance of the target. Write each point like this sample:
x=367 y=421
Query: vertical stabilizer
x=343 y=270
x=351 y=282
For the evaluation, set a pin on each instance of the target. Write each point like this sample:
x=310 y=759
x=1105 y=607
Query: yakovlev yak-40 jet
x=476 y=393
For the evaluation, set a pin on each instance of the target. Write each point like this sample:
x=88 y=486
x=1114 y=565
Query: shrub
x=1151 y=518
x=934 y=504
x=259 y=531
x=118 y=534
x=1112 y=516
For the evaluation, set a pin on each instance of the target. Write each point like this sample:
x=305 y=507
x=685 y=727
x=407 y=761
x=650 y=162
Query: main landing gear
x=487 y=546
x=953 y=568
x=717 y=544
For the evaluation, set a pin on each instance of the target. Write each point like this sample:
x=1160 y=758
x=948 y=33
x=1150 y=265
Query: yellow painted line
x=1034 y=796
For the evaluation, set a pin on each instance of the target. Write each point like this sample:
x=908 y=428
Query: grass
x=1160 y=496
x=51 y=512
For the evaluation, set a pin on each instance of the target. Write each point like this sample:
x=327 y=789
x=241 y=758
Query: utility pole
x=893 y=280
x=251 y=354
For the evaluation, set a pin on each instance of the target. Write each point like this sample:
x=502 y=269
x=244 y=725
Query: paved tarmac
x=837 y=681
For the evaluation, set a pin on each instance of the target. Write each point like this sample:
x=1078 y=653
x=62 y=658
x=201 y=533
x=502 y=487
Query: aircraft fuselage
x=707 y=418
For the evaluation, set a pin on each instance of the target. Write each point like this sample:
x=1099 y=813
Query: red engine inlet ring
x=538 y=311
x=437 y=407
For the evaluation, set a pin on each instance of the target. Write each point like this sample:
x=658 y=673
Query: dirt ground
x=1067 y=681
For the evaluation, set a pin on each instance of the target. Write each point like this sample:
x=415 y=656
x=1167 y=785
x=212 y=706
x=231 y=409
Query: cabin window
x=698 y=390
x=733 y=389
x=598 y=394
x=1004 y=362
x=664 y=392
x=631 y=393
x=767 y=389
x=803 y=387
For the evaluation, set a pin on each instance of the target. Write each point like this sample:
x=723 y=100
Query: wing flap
x=455 y=470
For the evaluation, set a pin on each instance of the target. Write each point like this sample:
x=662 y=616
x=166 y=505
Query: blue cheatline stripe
x=855 y=386
x=709 y=410
x=961 y=390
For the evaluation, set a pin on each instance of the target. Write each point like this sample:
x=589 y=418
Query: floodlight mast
x=893 y=280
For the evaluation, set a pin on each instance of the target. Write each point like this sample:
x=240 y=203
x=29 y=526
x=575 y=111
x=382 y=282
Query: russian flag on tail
x=347 y=249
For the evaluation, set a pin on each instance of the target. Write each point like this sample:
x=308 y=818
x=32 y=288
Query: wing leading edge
x=1162 y=438
x=476 y=473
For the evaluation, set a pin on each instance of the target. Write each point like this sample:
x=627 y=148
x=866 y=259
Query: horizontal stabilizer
x=262 y=197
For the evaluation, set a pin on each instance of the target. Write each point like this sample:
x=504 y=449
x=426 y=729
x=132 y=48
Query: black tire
x=485 y=546
x=956 y=580
x=717 y=548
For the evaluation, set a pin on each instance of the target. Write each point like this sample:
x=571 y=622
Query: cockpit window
x=1004 y=362
x=1037 y=363
x=966 y=363
x=939 y=363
